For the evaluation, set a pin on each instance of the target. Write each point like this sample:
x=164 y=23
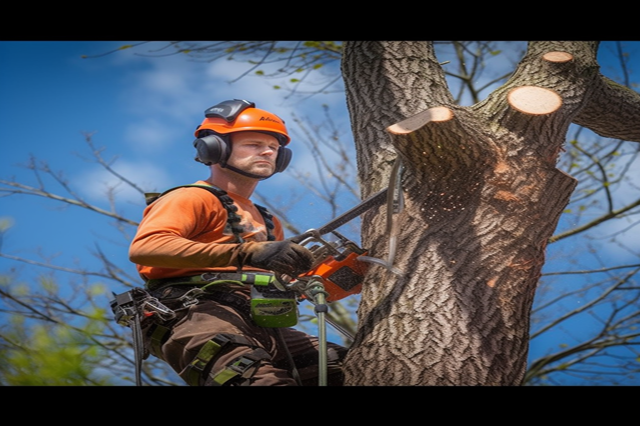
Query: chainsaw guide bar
x=376 y=199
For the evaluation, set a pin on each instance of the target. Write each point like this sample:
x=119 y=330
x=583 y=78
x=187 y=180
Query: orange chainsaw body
x=342 y=274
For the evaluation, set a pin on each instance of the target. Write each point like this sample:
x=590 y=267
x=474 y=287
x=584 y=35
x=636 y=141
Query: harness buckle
x=191 y=297
x=153 y=305
x=209 y=276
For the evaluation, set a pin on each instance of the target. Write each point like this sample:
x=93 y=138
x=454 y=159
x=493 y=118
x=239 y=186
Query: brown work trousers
x=209 y=318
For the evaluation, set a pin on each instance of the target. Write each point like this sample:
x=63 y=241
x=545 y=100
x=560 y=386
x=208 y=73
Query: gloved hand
x=284 y=257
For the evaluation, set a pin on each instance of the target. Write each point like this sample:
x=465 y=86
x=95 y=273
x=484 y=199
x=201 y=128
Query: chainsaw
x=338 y=261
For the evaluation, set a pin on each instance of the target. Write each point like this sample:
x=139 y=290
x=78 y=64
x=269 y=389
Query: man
x=192 y=246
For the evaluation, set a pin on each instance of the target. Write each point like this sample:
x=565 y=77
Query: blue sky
x=142 y=111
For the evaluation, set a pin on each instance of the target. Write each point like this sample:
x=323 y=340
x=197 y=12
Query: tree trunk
x=482 y=197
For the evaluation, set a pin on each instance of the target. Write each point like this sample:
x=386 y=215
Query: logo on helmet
x=263 y=118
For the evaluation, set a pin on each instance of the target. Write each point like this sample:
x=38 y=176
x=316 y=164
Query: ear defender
x=211 y=149
x=283 y=159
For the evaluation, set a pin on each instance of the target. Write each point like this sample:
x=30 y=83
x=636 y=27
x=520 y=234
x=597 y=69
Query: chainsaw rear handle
x=298 y=239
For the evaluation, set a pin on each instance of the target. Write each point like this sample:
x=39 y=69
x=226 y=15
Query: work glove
x=284 y=257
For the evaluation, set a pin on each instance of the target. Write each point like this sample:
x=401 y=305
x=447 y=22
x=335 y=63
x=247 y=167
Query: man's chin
x=263 y=171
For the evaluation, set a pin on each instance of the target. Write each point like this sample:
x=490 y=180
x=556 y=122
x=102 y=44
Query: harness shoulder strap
x=268 y=221
x=150 y=197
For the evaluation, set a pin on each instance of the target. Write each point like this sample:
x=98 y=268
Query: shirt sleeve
x=183 y=229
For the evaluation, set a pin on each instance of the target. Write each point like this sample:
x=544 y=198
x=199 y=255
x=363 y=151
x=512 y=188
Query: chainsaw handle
x=282 y=280
x=297 y=239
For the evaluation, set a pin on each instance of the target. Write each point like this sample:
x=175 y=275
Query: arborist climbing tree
x=210 y=258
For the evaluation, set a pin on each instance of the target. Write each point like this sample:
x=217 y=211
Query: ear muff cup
x=211 y=149
x=283 y=159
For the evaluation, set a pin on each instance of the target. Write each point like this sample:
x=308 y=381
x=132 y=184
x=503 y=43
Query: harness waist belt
x=258 y=278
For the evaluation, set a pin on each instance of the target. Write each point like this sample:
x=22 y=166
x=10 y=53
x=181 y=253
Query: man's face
x=254 y=152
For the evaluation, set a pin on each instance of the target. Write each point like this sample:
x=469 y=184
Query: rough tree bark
x=482 y=197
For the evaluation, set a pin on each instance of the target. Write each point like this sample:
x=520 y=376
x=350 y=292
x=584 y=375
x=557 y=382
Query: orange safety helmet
x=240 y=115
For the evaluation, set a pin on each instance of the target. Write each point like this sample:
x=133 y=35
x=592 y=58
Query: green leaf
x=48 y=284
x=97 y=290
x=6 y=222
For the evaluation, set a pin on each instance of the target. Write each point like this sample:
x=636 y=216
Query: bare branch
x=19 y=188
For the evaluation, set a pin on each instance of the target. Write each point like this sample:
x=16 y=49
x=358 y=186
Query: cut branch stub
x=534 y=100
x=558 y=57
x=415 y=122
x=437 y=150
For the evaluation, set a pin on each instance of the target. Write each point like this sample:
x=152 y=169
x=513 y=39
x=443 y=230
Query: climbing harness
x=270 y=308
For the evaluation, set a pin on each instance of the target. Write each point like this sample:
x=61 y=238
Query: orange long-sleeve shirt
x=185 y=232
